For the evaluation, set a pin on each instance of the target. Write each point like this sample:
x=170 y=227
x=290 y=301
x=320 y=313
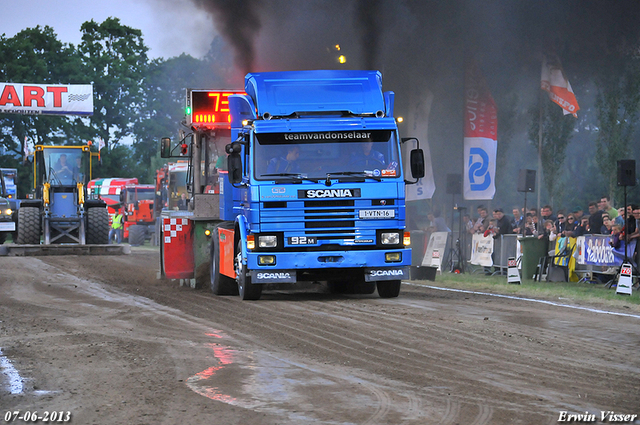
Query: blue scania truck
x=298 y=179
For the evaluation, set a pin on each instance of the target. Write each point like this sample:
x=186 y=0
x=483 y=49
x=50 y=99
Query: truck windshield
x=65 y=166
x=314 y=155
x=142 y=195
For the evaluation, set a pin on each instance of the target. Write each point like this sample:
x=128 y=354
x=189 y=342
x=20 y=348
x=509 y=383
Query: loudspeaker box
x=527 y=181
x=626 y=172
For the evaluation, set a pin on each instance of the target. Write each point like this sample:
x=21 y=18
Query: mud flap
x=273 y=276
x=386 y=273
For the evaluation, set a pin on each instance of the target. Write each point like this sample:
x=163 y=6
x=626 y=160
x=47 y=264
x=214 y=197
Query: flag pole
x=539 y=176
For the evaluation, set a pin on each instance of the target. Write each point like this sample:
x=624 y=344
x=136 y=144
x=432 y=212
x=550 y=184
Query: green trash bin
x=532 y=250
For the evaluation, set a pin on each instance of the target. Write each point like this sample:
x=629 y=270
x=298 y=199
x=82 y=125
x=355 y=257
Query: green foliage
x=617 y=112
x=115 y=60
x=135 y=100
x=35 y=55
x=556 y=133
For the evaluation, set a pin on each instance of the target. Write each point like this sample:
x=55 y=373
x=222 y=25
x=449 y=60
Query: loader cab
x=62 y=166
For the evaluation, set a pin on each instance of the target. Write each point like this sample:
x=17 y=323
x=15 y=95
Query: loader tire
x=97 y=226
x=29 y=226
x=137 y=235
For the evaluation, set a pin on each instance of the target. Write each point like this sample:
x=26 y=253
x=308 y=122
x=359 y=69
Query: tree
x=115 y=60
x=35 y=55
x=556 y=132
x=617 y=111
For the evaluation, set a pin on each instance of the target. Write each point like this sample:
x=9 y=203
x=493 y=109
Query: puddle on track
x=263 y=382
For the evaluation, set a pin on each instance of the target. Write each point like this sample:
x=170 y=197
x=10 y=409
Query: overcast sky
x=169 y=27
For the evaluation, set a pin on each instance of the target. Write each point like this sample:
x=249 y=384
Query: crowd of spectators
x=601 y=219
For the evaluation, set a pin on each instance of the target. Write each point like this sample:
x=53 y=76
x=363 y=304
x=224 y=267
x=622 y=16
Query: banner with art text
x=46 y=99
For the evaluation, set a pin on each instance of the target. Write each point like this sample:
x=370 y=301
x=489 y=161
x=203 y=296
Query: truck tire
x=29 y=226
x=3 y=237
x=220 y=284
x=388 y=288
x=97 y=226
x=137 y=235
x=246 y=289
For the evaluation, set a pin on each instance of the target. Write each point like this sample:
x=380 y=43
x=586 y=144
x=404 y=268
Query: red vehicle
x=139 y=217
x=109 y=191
x=171 y=182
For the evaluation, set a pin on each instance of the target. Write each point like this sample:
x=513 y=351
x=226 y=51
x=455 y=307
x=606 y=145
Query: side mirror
x=234 y=166
x=165 y=147
x=417 y=163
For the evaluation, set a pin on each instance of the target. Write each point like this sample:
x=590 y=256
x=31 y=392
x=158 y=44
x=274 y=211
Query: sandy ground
x=102 y=338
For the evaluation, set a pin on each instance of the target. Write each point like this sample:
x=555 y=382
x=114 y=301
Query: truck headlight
x=390 y=238
x=8 y=211
x=267 y=241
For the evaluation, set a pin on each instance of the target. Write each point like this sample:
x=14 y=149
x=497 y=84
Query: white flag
x=100 y=144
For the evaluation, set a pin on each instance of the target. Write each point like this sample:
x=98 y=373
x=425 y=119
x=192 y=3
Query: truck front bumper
x=286 y=267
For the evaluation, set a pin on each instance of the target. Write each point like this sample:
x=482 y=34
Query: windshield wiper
x=54 y=176
x=292 y=175
x=353 y=173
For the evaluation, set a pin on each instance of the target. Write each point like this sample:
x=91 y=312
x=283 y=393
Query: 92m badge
x=302 y=240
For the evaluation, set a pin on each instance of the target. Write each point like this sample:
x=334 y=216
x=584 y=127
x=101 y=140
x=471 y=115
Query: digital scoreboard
x=209 y=108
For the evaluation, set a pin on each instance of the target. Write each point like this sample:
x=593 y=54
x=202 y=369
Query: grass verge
x=596 y=295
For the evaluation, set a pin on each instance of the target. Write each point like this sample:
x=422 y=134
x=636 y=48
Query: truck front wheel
x=246 y=289
x=388 y=288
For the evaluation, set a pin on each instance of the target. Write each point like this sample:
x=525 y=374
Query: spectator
x=502 y=223
x=583 y=228
x=492 y=229
x=595 y=218
x=616 y=236
x=529 y=226
x=561 y=222
x=549 y=231
x=630 y=222
x=570 y=226
x=482 y=223
x=620 y=218
x=517 y=219
x=537 y=225
x=606 y=225
x=467 y=223
x=546 y=213
x=437 y=223
x=578 y=213
x=606 y=207
x=636 y=233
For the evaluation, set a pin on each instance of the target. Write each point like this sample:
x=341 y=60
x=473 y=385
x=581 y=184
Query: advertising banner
x=46 y=99
x=598 y=251
x=437 y=244
x=480 y=137
x=481 y=250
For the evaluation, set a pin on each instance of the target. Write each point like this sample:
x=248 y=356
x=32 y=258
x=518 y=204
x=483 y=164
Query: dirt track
x=101 y=337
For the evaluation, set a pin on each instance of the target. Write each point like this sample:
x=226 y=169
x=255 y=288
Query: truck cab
x=313 y=188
